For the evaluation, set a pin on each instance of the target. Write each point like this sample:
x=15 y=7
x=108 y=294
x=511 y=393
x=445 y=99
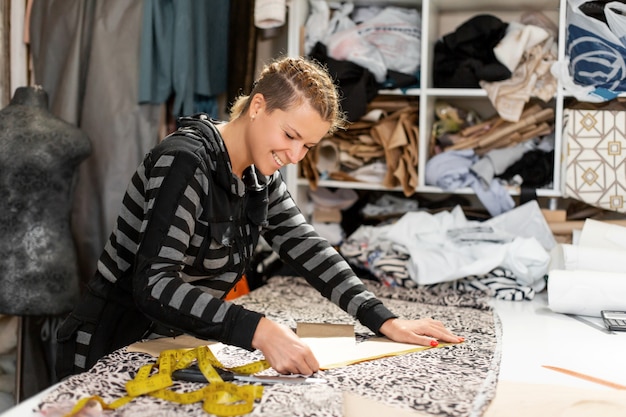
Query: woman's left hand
x=425 y=332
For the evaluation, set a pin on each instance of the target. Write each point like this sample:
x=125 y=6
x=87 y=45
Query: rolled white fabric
x=603 y=235
x=269 y=13
x=586 y=292
x=572 y=257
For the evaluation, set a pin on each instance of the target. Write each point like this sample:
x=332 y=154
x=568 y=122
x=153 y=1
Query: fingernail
x=461 y=339
x=434 y=343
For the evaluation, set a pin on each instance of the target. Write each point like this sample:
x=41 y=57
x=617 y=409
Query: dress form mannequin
x=39 y=154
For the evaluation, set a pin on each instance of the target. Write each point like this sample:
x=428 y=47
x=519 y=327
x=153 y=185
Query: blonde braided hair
x=288 y=82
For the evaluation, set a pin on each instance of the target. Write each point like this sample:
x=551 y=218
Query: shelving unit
x=440 y=17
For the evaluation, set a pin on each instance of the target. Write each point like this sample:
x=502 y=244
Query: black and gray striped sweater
x=183 y=238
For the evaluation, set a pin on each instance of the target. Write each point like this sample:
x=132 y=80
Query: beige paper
x=335 y=346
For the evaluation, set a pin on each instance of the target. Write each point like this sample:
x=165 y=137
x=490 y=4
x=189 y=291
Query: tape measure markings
x=224 y=399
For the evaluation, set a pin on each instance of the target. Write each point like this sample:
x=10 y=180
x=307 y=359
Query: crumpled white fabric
x=518 y=39
x=374 y=172
x=446 y=246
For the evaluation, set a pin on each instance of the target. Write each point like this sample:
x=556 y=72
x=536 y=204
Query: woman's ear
x=257 y=104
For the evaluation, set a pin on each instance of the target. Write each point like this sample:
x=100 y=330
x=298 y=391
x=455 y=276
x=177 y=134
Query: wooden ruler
x=586 y=377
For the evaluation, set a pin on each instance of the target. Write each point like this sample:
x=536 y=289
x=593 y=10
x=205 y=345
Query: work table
x=508 y=342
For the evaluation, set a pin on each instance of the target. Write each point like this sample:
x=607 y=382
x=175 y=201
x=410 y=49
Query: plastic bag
x=386 y=39
x=345 y=43
x=396 y=33
x=597 y=50
x=324 y=20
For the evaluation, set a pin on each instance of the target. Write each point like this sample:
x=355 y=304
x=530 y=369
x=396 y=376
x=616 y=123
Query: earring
x=252 y=117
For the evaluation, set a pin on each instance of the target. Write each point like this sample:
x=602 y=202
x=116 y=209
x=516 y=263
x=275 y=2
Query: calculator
x=614 y=320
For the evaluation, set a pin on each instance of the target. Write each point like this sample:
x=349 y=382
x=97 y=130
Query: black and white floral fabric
x=452 y=381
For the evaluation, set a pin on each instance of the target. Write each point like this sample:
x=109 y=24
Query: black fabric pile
x=465 y=57
x=357 y=84
x=535 y=167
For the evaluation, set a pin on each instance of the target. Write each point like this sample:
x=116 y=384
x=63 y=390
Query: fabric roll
x=586 y=292
x=269 y=13
x=327 y=156
x=575 y=257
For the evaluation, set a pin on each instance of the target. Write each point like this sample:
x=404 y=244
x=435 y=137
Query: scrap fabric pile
x=380 y=148
x=506 y=256
x=452 y=381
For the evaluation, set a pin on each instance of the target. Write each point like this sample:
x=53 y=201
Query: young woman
x=191 y=218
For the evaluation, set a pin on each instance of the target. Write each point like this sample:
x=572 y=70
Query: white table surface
x=532 y=336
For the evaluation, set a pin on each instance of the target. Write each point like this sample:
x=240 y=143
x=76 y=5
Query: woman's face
x=283 y=136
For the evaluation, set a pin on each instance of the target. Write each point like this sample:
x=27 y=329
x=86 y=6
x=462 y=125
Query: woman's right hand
x=283 y=349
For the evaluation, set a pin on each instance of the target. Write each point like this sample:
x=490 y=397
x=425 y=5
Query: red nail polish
x=434 y=343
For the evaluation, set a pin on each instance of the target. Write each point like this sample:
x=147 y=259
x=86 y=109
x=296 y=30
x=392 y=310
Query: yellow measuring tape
x=220 y=398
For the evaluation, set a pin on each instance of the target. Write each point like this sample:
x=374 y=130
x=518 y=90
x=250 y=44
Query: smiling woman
x=293 y=104
x=191 y=218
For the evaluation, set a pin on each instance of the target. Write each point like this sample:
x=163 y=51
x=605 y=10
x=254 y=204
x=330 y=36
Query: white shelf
x=490 y=5
x=426 y=189
x=456 y=92
x=356 y=185
x=439 y=17
x=401 y=92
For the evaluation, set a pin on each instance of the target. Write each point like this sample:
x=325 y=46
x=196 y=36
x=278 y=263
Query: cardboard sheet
x=155 y=346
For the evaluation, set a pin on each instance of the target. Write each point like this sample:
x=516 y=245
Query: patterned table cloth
x=454 y=381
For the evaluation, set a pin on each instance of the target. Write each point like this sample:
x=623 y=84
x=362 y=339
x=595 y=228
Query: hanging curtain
x=86 y=56
x=242 y=41
x=184 y=54
x=109 y=66
x=5 y=46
